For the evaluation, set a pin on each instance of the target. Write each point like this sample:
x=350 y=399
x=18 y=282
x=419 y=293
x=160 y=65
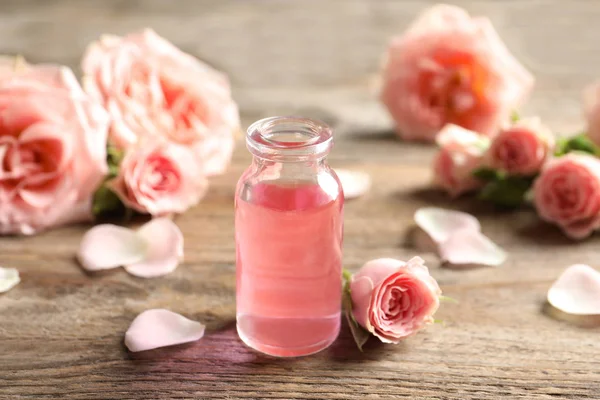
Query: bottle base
x=284 y=351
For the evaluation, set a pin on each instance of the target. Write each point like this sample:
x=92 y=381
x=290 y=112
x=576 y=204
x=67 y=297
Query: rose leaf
x=106 y=203
x=359 y=334
x=577 y=143
x=509 y=192
x=486 y=174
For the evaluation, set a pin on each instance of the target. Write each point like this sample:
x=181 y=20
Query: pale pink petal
x=439 y=17
x=160 y=328
x=577 y=291
x=440 y=223
x=361 y=288
x=469 y=246
x=379 y=269
x=456 y=135
x=354 y=183
x=9 y=278
x=109 y=246
x=80 y=212
x=165 y=249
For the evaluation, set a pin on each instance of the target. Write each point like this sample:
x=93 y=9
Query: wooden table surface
x=61 y=330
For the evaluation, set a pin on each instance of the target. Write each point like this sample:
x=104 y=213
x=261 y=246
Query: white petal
x=165 y=249
x=110 y=246
x=468 y=246
x=440 y=223
x=9 y=278
x=577 y=291
x=160 y=328
x=464 y=137
x=354 y=183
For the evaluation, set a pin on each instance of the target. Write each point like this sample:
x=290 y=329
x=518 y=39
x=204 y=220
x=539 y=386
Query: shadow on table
x=543 y=233
x=432 y=197
x=581 y=321
x=345 y=349
x=222 y=352
x=523 y=223
x=370 y=135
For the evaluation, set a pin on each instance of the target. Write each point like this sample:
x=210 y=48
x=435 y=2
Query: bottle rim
x=289 y=138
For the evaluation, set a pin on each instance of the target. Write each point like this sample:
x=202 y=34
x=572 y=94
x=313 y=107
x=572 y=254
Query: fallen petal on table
x=9 y=278
x=577 y=291
x=160 y=328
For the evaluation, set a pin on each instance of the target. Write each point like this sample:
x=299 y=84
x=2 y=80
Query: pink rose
x=591 y=106
x=522 y=148
x=451 y=68
x=461 y=153
x=567 y=193
x=159 y=179
x=152 y=89
x=393 y=299
x=52 y=147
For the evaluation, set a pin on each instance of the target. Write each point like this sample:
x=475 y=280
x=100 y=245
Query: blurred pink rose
x=152 y=89
x=461 y=153
x=567 y=193
x=591 y=107
x=159 y=179
x=451 y=68
x=394 y=299
x=522 y=148
x=52 y=147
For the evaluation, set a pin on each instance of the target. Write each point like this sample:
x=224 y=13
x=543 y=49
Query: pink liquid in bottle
x=289 y=268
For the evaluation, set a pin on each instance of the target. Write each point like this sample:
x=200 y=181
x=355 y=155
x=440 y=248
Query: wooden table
x=61 y=330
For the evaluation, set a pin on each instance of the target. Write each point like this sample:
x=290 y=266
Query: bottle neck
x=289 y=170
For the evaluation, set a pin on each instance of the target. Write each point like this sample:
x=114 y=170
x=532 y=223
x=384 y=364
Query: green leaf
x=347 y=275
x=438 y=321
x=561 y=147
x=446 y=299
x=114 y=156
x=113 y=170
x=360 y=335
x=507 y=192
x=581 y=143
x=514 y=116
x=486 y=174
x=106 y=202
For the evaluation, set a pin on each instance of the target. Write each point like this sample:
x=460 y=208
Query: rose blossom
x=152 y=89
x=461 y=153
x=393 y=299
x=567 y=193
x=451 y=68
x=159 y=178
x=522 y=148
x=52 y=147
x=591 y=106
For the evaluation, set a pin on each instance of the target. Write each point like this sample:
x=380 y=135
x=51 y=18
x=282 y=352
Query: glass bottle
x=288 y=232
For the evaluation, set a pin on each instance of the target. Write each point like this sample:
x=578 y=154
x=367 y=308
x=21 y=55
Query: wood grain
x=61 y=330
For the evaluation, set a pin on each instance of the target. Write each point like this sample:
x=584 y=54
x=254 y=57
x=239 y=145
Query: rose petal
x=360 y=289
x=354 y=183
x=110 y=246
x=160 y=328
x=440 y=223
x=165 y=249
x=9 y=278
x=577 y=291
x=469 y=246
x=378 y=270
x=454 y=134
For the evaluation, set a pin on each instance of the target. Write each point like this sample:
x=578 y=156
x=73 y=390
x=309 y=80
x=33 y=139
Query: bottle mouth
x=291 y=138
